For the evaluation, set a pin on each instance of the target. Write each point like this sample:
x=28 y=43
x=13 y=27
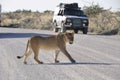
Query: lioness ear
x=60 y=35
x=65 y=33
x=73 y=33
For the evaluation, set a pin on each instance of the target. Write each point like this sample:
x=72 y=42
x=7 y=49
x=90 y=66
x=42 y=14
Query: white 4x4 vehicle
x=0 y=15
x=70 y=17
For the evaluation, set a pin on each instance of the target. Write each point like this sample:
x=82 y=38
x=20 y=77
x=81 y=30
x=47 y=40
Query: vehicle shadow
x=21 y=35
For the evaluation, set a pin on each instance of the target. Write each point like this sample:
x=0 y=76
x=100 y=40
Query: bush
x=28 y=19
x=103 y=21
x=93 y=9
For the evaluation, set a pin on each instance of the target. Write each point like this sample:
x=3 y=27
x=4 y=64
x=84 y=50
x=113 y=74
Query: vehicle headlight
x=68 y=20
x=85 y=21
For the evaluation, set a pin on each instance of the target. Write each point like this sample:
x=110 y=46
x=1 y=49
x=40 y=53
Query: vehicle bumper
x=75 y=27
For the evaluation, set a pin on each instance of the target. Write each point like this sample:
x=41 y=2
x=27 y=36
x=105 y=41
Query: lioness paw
x=56 y=61
x=40 y=62
x=25 y=62
x=73 y=61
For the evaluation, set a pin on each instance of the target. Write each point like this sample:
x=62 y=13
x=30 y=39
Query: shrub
x=93 y=9
x=28 y=19
x=103 y=22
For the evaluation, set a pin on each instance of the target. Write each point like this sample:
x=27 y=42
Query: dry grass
x=34 y=20
x=103 y=23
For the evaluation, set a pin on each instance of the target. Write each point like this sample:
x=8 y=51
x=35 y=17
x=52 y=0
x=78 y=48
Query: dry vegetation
x=28 y=19
x=105 y=22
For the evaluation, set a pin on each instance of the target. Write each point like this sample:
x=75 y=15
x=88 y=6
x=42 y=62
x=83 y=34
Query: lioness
x=56 y=42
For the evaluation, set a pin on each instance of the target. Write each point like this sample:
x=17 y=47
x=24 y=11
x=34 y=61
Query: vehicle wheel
x=63 y=29
x=0 y=23
x=85 y=30
x=76 y=31
x=55 y=27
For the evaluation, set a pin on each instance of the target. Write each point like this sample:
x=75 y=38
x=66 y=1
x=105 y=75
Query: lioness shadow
x=80 y=63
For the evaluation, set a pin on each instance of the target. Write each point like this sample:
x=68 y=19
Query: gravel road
x=97 y=56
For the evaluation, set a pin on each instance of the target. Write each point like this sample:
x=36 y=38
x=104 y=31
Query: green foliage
x=48 y=11
x=24 y=11
x=93 y=9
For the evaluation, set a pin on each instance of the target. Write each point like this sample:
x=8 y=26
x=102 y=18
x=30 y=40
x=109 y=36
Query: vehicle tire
x=0 y=23
x=85 y=30
x=63 y=29
x=76 y=31
x=55 y=27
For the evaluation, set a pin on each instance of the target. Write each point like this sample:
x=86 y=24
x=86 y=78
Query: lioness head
x=69 y=37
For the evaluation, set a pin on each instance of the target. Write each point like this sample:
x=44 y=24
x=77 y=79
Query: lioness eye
x=70 y=34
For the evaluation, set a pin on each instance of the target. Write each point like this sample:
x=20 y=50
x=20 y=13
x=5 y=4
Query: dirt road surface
x=97 y=56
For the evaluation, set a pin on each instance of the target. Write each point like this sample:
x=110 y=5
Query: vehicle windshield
x=73 y=12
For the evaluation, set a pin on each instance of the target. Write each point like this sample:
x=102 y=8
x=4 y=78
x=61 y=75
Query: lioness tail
x=19 y=57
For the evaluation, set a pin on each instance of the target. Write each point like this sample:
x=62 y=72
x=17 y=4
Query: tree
x=93 y=9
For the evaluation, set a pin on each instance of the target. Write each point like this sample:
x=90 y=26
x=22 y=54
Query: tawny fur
x=56 y=42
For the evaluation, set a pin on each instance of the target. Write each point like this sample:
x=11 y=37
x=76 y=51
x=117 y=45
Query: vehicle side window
x=60 y=12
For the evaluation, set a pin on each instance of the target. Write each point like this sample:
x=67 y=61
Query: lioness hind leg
x=68 y=55
x=56 y=55
x=36 y=52
x=27 y=54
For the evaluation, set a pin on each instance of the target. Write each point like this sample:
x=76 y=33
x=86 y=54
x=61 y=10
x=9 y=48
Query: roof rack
x=71 y=5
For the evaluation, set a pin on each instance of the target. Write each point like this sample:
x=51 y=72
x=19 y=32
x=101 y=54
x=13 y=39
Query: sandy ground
x=97 y=56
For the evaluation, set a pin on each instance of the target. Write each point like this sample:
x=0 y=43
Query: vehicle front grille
x=76 y=22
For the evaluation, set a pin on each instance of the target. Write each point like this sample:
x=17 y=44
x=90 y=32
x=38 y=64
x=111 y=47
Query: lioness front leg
x=56 y=55
x=68 y=55
x=36 y=52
